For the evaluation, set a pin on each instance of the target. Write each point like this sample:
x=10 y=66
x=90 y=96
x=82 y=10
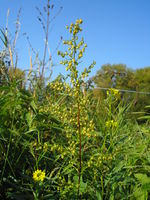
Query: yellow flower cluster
x=58 y=86
x=111 y=124
x=80 y=44
x=38 y=175
x=55 y=109
x=94 y=161
x=80 y=54
x=79 y=21
x=86 y=71
x=99 y=159
x=88 y=128
x=75 y=52
x=56 y=147
x=45 y=146
x=113 y=91
x=75 y=28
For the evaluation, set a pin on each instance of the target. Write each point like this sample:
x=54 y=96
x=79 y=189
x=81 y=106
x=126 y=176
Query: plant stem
x=46 y=39
x=102 y=185
x=80 y=166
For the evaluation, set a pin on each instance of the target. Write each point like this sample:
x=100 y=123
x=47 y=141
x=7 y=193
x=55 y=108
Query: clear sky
x=116 y=31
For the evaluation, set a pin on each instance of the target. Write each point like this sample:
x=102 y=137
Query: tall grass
x=58 y=142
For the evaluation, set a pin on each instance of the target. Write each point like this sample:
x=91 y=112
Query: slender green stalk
x=80 y=159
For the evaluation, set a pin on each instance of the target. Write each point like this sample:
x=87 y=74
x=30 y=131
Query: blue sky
x=116 y=31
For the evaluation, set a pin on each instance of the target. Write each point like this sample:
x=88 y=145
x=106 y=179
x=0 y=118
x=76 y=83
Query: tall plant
x=80 y=126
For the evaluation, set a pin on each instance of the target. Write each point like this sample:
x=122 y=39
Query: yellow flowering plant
x=78 y=125
x=38 y=175
x=58 y=127
x=111 y=124
x=113 y=91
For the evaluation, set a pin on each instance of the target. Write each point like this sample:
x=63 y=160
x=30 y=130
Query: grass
x=57 y=141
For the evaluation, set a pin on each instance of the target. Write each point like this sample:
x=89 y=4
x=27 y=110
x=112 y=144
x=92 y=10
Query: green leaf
x=5 y=40
x=147 y=106
x=75 y=178
x=140 y=194
x=83 y=185
x=98 y=195
x=29 y=119
x=111 y=197
x=33 y=106
x=144 y=117
x=142 y=178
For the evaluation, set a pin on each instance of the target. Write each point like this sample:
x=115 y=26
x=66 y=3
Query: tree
x=117 y=75
x=142 y=77
x=121 y=77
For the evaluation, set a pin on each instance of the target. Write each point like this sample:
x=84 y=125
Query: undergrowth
x=58 y=142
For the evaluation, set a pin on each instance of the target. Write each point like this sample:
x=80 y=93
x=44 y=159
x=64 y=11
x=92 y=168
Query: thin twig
x=46 y=39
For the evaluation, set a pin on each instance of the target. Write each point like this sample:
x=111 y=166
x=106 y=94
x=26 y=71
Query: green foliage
x=121 y=77
x=57 y=141
x=118 y=76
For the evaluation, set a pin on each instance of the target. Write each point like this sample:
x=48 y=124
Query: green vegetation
x=123 y=78
x=62 y=140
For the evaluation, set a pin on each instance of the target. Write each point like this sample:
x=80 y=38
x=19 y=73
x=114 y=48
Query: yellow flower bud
x=80 y=21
